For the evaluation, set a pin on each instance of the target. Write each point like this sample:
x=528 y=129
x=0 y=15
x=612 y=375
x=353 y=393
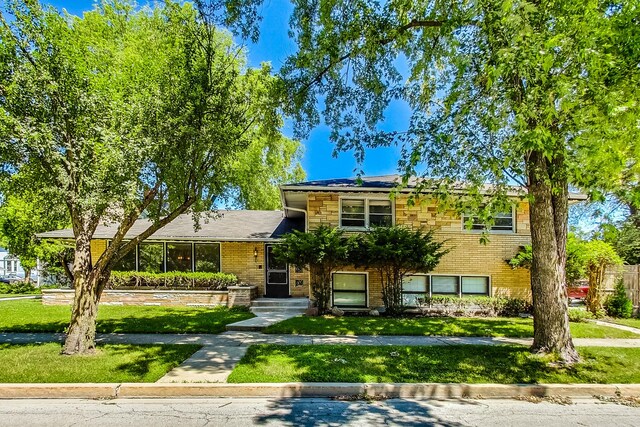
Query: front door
x=277 y=275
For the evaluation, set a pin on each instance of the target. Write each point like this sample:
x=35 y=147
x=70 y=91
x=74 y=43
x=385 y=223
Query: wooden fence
x=630 y=275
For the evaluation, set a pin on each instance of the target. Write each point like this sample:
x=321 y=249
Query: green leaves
x=131 y=111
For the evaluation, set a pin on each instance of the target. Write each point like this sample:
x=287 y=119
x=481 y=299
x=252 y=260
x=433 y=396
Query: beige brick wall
x=467 y=255
x=97 y=248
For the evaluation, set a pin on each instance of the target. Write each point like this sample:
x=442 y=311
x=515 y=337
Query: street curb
x=287 y=390
x=59 y=391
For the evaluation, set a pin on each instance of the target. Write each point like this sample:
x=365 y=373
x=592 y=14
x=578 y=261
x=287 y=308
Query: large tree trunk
x=549 y=216
x=81 y=336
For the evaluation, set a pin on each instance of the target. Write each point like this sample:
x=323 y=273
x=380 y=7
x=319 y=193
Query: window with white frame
x=503 y=221
x=349 y=289
x=364 y=213
x=418 y=286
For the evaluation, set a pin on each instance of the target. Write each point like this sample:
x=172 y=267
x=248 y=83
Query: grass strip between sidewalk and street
x=513 y=327
x=112 y=363
x=32 y=316
x=504 y=364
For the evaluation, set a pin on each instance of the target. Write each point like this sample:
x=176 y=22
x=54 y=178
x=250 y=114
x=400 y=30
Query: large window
x=363 y=213
x=444 y=285
x=418 y=286
x=179 y=257
x=503 y=221
x=127 y=262
x=207 y=257
x=475 y=285
x=151 y=257
x=350 y=289
x=414 y=287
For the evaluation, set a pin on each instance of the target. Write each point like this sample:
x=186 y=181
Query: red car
x=577 y=292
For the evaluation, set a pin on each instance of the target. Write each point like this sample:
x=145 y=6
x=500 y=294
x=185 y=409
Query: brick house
x=240 y=242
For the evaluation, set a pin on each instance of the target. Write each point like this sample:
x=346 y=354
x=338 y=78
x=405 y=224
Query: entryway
x=276 y=275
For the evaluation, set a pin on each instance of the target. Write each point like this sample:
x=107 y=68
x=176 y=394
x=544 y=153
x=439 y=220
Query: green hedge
x=173 y=280
x=494 y=306
x=18 y=288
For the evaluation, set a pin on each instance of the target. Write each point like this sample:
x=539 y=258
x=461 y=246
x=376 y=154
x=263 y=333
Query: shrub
x=510 y=307
x=171 y=280
x=578 y=315
x=618 y=304
x=478 y=306
x=395 y=252
x=18 y=288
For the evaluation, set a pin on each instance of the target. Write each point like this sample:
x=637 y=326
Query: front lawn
x=505 y=364
x=634 y=322
x=32 y=316
x=42 y=363
x=435 y=326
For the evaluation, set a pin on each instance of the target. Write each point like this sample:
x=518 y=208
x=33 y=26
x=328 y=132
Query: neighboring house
x=10 y=267
x=240 y=242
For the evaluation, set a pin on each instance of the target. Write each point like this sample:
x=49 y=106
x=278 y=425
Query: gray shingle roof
x=232 y=225
x=382 y=182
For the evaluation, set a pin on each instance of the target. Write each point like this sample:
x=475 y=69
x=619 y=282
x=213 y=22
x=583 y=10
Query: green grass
x=32 y=316
x=436 y=326
x=42 y=363
x=634 y=322
x=506 y=364
x=15 y=295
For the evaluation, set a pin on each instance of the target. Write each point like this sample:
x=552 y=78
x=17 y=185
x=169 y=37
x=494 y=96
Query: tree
x=395 y=252
x=127 y=112
x=576 y=259
x=322 y=251
x=599 y=256
x=500 y=91
x=20 y=220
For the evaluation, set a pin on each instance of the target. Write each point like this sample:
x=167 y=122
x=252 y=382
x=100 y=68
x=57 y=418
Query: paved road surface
x=311 y=412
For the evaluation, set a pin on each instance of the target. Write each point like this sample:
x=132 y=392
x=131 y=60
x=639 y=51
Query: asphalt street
x=311 y=412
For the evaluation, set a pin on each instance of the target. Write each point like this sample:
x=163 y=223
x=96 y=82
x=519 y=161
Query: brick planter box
x=234 y=296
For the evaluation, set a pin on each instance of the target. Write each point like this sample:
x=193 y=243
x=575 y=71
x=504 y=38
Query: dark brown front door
x=277 y=275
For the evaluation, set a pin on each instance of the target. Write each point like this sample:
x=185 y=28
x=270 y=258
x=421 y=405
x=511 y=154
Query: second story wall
x=325 y=208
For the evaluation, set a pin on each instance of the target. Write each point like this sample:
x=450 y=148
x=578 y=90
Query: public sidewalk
x=237 y=339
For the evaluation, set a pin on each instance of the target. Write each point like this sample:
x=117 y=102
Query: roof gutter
x=324 y=188
x=304 y=212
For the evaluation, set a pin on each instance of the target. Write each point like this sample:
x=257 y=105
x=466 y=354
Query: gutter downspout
x=306 y=220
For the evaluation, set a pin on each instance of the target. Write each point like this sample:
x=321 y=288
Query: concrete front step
x=284 y=302
x=277 y=310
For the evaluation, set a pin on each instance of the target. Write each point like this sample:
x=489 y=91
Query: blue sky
x=274 y=46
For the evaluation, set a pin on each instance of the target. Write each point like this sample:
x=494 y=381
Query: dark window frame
x=365 y=291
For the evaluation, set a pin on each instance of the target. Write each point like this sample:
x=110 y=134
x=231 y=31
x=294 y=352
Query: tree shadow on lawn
x=417 y=326
x=158 y=355
x=505 y=364
x=321 y=412
x=151 y=320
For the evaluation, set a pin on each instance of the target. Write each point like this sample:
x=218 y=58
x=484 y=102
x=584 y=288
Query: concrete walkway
x=21 y=297
x=616 y=326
